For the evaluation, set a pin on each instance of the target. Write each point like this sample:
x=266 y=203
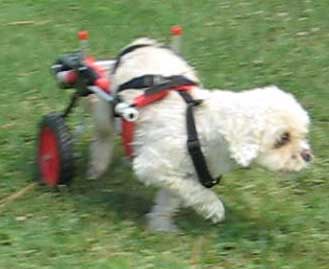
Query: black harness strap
x=131 y=49
x=155 y=83
x=124 y=52
x=193 y=143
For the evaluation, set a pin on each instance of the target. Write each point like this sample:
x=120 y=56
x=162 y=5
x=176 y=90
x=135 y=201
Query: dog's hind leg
x=161 y=214
x=101 y=148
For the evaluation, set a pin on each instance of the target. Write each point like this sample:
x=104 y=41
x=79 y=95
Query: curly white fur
x=234 y=129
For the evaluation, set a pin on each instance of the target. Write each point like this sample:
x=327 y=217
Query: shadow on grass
x=119 y=197
x=129 y=201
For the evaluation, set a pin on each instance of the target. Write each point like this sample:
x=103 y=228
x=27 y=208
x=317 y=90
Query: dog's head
x=277 y=137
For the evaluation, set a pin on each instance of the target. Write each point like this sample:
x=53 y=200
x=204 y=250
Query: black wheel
x=55 y=159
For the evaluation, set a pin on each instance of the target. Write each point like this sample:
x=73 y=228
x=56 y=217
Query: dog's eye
x=284 y=139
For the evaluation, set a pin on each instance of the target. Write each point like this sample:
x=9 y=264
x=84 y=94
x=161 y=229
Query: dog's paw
x=217 y=212
x=156 y=223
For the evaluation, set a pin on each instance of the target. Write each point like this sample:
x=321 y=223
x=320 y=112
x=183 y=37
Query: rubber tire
x=56 y=123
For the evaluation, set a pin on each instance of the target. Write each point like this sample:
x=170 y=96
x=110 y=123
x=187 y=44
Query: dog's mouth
x=287 y=172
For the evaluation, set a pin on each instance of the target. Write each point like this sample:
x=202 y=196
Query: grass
x=273 y=220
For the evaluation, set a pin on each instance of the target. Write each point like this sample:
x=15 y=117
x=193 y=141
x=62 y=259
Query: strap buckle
x=215 y=181
x=154 y=80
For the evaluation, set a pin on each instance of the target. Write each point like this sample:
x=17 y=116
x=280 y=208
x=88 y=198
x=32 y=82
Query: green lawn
x=273 y=220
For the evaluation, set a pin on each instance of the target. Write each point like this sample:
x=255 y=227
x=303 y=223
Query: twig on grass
x=17 y=23
x=16 y=195
x=196 y=251
x=20 y=23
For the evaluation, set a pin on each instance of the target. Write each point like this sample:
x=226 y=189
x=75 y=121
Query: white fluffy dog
x=265 y=126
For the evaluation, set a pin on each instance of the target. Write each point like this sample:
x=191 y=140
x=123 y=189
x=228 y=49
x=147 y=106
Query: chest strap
x=193 y=143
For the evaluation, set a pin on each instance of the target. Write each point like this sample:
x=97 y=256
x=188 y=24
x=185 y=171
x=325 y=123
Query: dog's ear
x=244 y=153
x=243 y=134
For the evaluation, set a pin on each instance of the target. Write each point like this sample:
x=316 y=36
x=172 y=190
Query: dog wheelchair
x=78 y=71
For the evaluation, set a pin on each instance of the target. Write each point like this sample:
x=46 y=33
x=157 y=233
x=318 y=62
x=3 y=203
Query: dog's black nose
x=306 y=155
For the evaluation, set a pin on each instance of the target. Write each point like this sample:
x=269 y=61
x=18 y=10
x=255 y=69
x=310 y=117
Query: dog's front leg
x=161 y=214
x=163 y=174
x=191 y=194
x=203 y=200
